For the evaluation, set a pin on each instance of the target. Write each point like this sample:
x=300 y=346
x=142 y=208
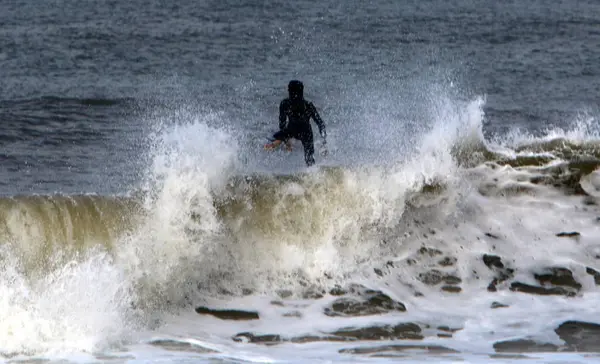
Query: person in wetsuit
x=294 y=122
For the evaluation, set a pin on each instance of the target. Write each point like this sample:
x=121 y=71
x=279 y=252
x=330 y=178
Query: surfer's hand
x=323 y=149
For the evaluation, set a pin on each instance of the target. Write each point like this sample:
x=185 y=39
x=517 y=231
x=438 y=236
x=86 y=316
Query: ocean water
x=454 y=219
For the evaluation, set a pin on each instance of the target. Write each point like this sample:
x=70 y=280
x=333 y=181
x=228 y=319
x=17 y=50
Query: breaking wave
x=83 y=272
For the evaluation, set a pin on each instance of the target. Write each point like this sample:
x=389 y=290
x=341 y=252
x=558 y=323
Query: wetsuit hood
x=296 y=90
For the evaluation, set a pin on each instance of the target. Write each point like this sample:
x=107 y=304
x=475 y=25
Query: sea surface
x=455 y=217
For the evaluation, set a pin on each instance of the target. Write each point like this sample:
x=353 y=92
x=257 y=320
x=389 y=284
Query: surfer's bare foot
x=273 y=145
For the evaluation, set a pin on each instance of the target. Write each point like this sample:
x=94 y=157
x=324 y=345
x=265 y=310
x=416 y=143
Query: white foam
x=591 y=183
x=82 y=307
x=191 y=164
x=581 y=130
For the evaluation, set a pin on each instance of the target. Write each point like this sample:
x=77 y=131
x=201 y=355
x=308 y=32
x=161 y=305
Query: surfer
x=294 y=122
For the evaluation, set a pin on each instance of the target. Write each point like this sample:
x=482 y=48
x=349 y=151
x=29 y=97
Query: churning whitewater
x=460 y=247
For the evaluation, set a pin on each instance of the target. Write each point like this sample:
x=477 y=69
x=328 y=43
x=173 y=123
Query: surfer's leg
x=282 y=135
x=309 y=147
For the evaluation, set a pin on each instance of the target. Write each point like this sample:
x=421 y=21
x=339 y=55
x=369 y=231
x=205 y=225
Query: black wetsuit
x=294 y=122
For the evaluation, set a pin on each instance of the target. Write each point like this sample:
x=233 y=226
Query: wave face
x=88 y=273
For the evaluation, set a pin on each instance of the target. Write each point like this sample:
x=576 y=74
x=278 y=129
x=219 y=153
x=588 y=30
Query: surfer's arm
x=282 y=114
x=317 y=118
